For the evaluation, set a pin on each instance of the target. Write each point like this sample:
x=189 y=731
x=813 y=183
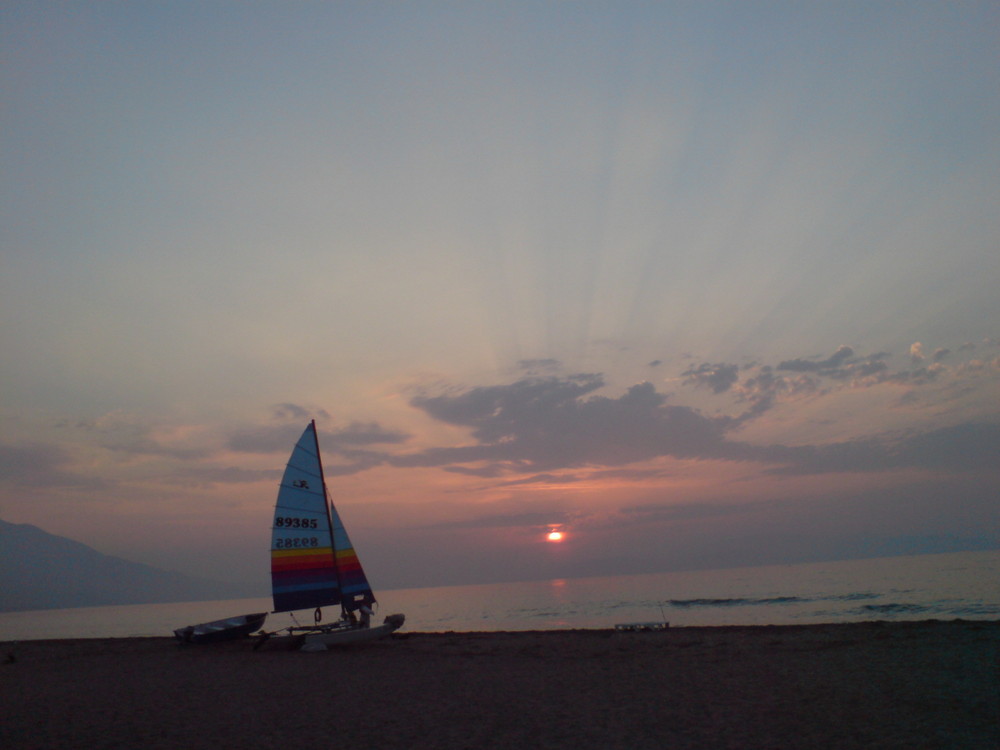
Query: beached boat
x=313 y=563
x=228 y=629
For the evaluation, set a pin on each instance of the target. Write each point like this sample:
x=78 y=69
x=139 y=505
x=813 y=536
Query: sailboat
x=313 y=563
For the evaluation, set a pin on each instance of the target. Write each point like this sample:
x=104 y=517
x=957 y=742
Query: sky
x=699 y=285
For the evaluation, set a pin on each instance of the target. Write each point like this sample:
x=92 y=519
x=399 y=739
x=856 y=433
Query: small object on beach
x=642 y=627
x=221 y=630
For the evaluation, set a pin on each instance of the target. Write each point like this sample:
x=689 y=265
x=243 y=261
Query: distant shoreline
x=875 y=684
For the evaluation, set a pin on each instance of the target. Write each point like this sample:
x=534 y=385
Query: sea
x=964 y=585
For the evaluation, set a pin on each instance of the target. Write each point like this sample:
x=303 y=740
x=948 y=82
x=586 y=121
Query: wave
x=763 y=601
x=851 y=597
x=737 y=602
x=955 y=609
x=893 y=608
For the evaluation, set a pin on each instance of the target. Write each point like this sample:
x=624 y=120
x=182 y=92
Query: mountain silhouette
x=39 y=570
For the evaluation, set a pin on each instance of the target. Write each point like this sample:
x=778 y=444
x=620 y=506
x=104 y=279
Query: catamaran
x=313 y=563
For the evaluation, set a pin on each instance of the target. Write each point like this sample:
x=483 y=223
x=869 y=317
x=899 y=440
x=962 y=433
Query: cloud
x=265 y=438
x=718 y=377
x=43 y=466
x=534 y=519
x=362 y=433
x=495 y=410
x=917 y=376
x=298 y=413
x=128 y=434
x=842 y=365
x=651 y=512
x=210 y=475
x=541 y=424
x=290 y=411
x=346 y=451
x=970 y=446
x=764 y=385
x=557 y=429
x=978 y=366
x=872 y=366
x=280 y=438
x=30 y=464
x=762 y=389
x=831 y=363
x=565 y=478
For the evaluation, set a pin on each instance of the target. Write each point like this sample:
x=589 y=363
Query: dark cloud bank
x=546 y=424
x=558 y=428
x=527 y=430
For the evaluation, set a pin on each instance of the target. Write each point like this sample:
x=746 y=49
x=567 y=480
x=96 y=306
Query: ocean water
x=946 y=586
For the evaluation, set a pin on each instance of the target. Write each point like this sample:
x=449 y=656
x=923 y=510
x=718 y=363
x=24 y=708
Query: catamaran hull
x=347 y=636
x=221 y=630
x=321 y=638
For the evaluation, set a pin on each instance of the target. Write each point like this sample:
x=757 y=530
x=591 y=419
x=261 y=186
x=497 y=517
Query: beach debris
x=642 y=627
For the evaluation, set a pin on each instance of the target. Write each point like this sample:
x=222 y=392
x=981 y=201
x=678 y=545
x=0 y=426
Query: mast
x=329 y=517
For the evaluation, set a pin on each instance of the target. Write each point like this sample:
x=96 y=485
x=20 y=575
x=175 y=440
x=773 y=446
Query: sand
x=872 y=685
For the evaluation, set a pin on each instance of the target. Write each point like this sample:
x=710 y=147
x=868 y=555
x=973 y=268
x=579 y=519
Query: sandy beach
x=872 y=685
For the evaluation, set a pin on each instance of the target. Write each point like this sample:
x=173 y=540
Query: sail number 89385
x=286 y=522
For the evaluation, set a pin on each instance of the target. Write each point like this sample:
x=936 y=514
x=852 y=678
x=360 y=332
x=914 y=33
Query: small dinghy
x=221 y=630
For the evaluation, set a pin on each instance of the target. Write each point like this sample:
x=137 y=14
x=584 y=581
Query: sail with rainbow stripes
x=313 y=563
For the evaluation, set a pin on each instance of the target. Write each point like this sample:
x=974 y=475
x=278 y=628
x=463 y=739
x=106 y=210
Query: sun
x=554 y=536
